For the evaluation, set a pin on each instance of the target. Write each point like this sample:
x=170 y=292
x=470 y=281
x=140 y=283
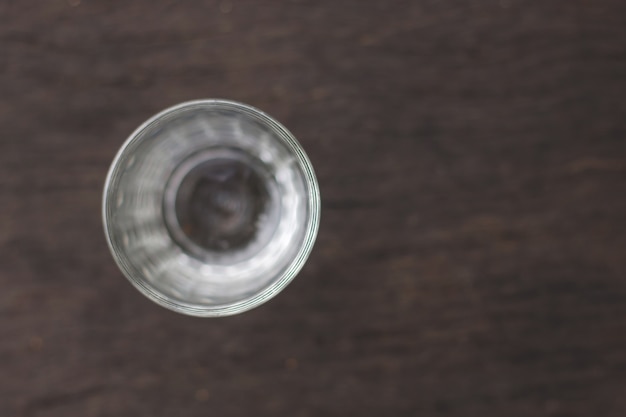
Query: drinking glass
x=211 y=208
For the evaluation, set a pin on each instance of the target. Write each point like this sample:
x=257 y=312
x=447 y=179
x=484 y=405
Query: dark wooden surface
x=471 y=259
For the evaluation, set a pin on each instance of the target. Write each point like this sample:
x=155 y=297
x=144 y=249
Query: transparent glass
x=211 y=208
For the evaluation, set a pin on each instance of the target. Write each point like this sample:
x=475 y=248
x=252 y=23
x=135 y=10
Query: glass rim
x=282 y=280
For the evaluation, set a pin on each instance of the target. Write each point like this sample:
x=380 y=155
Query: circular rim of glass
x=311 y=228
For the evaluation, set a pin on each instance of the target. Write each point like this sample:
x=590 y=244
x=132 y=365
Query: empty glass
x=211 y=208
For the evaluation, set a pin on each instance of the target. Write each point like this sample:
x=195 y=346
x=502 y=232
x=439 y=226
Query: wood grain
x=471 y=258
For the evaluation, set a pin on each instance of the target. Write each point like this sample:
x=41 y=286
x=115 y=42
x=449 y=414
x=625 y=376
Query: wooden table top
x=471 y=259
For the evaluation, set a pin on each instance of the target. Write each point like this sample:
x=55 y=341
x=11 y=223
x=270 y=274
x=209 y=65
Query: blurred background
x=471 y=259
